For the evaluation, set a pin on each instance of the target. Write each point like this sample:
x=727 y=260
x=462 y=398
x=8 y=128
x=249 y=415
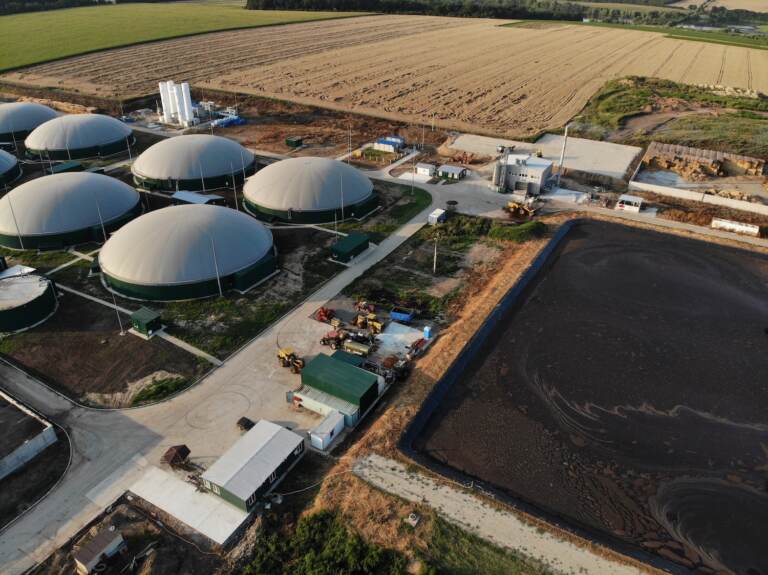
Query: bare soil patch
x=80 y=351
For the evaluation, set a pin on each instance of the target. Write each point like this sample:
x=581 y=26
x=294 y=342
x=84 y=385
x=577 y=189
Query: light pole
x=216 y=265
x=15 y=222
x=104 y=232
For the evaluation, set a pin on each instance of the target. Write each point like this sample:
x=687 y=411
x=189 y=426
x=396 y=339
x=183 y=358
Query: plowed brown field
x=467 y=74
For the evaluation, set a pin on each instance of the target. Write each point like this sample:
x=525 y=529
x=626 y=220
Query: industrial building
x=424 y=169
x=254 y=465
x=10 y=169
x=187 y=252
x=330 y=384
x=25 y=434
x=18 y=119
x=524 y=174
x=389 y=144
x=309 y=190
x=79 y=136
x=54 y=212
x=197 y=162
x=452 y=172
x=26 y=299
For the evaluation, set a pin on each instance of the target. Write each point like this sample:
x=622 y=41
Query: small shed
x=63 y=167
x=347 y=248
x=146 y=321
x=175 y=455
x=341 y=380
x=104 y=545
x=424 y=169
x=438 y=216
x=322 y=436
x=294 y=141
x=452 y=172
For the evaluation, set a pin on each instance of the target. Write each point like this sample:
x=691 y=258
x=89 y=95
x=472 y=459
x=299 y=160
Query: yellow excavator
x=518 y=210
x=288 y=358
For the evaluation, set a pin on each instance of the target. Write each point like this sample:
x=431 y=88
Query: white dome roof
x=7 y=161
x=64 y=203
x=23 y=116
x=307 y=185
x=77 y=131
x=175 y=245
x=185 y=157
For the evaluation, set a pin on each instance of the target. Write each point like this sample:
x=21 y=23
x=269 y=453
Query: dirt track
x=468 y=74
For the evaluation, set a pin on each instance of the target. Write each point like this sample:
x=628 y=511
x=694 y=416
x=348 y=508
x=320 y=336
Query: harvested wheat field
x=467 y=74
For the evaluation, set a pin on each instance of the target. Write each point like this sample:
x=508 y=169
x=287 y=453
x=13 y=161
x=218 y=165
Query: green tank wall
x=240 y=281
x=82 y=153
x=195 y=185
x=61 y=241
x=10 y=175
x=320 y=217
x=30 y=313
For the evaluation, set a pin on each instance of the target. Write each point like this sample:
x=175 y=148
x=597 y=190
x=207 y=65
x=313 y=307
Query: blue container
x=427 y=332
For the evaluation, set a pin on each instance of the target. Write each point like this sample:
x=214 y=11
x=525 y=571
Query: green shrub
x=517 y=233
x=322 y=545
x=160 y=389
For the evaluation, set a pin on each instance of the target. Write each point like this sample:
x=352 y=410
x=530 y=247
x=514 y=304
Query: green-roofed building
x=350 y=358
x=341 y=380
x=352 y=245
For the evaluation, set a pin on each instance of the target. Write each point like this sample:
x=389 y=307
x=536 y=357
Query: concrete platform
x=205 y=513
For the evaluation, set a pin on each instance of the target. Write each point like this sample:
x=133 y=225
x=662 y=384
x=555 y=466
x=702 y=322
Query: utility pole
x=562 y=155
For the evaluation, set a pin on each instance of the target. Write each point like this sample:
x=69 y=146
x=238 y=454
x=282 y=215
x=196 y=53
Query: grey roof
x=251 y=460
x=445 y=168
x=176 y=245
x=7 y=161
x=23 y=116
x=77 y=131
x=64 y=203
x=186 y=157
x=307 y=184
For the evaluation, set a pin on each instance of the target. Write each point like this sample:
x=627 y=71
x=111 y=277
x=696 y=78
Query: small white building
x=326 y=432
x=425 y=169
x=436 y=217
x=104 y=545
x=452 y=172
x=522 y=173
x=629 y=203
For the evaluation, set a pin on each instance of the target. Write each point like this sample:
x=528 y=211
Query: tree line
x=534 y=9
